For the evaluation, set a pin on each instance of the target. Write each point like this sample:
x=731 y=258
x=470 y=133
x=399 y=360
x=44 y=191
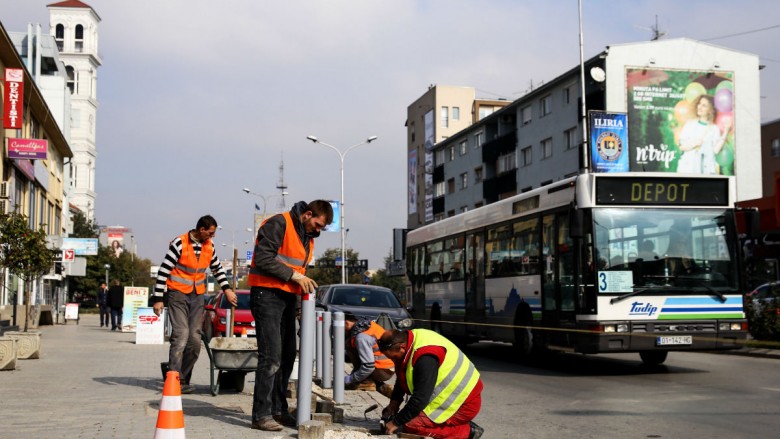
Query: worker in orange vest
x=370 y=367
x=183 y=275
x=283 y=249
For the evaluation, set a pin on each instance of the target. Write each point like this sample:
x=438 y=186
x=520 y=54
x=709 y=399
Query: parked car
x=243 y=319
x=363 y=301
x=764 y=297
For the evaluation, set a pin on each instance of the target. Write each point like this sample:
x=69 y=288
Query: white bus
x=597 y=263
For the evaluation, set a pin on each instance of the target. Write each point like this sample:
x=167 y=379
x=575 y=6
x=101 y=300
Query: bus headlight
x=729 y=326
x=405 y=323
x=622 y=327
x=616 y=327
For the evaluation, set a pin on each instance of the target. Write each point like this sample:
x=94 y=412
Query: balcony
x=492 y=188
x=499 y=146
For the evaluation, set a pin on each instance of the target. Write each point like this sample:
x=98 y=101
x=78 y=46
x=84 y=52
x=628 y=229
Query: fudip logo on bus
x=642 y=309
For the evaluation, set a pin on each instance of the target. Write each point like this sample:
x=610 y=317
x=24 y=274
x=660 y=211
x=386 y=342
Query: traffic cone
x=170 y=420
x=243 y=333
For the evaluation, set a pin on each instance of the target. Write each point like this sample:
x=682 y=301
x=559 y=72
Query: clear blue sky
x=199 y=99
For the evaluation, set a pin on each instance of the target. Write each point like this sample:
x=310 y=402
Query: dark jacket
x=116 y=297
x=269 y=239
x=102 y=297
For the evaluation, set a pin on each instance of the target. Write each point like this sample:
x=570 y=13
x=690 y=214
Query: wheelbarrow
x=230 y=358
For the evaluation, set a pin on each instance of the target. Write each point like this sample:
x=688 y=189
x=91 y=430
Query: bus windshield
x=685 y=248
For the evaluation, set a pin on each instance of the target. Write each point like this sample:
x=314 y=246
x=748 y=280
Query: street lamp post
x=107 y=267
x=265 y=205
x=341 y=202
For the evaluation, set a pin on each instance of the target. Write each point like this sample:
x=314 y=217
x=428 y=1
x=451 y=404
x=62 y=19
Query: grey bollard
x=305 y=358
x=318 y=342
x=326 y=351
x=338 y=357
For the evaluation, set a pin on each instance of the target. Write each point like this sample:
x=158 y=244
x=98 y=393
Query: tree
x=24 y=252
x=395 y=283
x=326 y=272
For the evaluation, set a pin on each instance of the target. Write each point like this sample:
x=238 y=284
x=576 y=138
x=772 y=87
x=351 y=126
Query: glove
x=308 y=285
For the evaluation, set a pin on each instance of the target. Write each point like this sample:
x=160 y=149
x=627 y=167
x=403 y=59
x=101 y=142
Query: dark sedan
x=363 y=301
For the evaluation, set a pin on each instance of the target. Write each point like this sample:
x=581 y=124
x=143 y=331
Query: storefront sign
x=31 y=149
x=135 y=298
x=13 y=99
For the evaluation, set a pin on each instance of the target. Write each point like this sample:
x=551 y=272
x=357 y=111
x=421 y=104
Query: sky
x=200 y=99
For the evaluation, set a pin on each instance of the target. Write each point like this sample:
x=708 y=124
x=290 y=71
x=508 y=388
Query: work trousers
x=457 y=427
x=104 y=313
x=116 y=318
x=274 y=312
x=185 y=312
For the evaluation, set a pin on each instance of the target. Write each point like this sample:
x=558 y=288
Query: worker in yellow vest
x=370 y=367
x=445 y=387
x=283 y=249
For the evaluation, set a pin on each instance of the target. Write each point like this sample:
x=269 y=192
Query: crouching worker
x=370 y=367
x=445 y=388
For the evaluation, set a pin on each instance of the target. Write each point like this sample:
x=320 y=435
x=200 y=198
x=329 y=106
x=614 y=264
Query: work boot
x=267 y=424
x=286 y=419
x=475 y=431
x=385 y=390
x=187 y=388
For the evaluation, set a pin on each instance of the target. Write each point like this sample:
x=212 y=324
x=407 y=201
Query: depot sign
x=13 y=99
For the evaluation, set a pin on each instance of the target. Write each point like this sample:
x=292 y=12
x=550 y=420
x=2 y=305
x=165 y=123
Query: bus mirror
x=575 y=223
x=752 y=223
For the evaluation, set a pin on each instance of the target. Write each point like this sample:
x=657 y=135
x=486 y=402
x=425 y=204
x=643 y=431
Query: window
x=455 y=113
x=570 y=137
x=464 y=147
x=547 y=149
x=450 y=213
x=527 y=154
x=479 y=139
x=71 y=81
x=464 y=180
x=59 y=36
x=438 y=189
x=451 y=186
x=451 y=153
x=464 y=209
x=411 y=131
x=545 y=106
x=445 y=114
x=775 y=147
x=485 y=112
x=79 y=38
x=525 y=113
x=439 y=157
x=566 y=95
x=75 y=118
x=478 y=175
x=506 y=162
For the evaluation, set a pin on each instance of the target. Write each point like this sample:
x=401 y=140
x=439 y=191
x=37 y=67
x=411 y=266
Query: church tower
x=74 y=25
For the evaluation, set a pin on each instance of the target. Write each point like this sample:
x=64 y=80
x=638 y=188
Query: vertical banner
x=412 y=198
x=135 y=297
x=429 y=138
x=13 y=98
x=681 y=121
x=608 y=141
x=151 y=328
x=335 y=226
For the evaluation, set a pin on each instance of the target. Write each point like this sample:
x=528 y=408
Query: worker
x=370 y=367
x=445 y=387
x=283 y=249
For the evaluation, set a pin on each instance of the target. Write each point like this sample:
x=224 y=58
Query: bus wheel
x=653 y=358
x=436 y=318
x=523 y=342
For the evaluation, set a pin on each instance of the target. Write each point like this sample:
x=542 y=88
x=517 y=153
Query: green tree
x=24 y=252
x=332 y=274
x=395 y=283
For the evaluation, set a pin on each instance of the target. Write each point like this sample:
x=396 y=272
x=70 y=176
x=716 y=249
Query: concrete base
x=311 y=430
x=325 y=418
x=8 y=353
x=29 y=344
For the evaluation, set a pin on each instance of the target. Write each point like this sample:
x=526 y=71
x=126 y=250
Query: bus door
x=475 y=282
x=416 y=272
x=559 y=280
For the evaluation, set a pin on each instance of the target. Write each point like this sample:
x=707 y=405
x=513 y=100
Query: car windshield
x=368 y=297
x=243 y=302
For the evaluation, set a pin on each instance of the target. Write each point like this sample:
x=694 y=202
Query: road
x=693 y=395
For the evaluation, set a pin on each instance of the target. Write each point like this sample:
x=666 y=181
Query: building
x=440 y=112
x=538 y=139
x=74 y=25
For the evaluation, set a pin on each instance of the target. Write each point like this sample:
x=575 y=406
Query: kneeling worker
x=424 y=361
x=369 y=365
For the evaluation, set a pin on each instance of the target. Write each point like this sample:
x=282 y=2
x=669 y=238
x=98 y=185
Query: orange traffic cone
x=170 y=420
x=243 y=333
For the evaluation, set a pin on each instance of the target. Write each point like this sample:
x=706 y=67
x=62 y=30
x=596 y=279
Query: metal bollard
x=326 y=361
x=318 y=347
x=338 y=357
x=305 y=360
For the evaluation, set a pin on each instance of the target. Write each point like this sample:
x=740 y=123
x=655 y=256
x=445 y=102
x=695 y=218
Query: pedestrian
x=284 y=245
x=445 y=387
x=181 y=280
x=102 y=303
x=115 y=301
x=370 y=367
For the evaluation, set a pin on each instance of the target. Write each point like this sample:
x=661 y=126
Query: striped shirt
x=173 y=255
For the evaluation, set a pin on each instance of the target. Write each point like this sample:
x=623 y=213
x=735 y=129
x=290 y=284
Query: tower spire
x=281 y=186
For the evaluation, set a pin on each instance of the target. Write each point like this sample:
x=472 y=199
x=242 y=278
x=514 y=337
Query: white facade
x=74 y=26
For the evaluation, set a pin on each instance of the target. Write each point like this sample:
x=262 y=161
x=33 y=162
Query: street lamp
x=341 y=203
x=107 y=267
x=265 y=205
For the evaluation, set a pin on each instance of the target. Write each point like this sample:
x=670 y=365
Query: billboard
x=335 y=226
x=681 y=121
x=609 y=141
x=116 y=237
x=82 y=246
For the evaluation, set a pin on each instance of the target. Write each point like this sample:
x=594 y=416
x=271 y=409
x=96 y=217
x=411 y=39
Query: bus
x=597 y=263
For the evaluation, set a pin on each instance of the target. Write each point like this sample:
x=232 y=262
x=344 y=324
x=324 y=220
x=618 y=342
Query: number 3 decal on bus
x=602 y=282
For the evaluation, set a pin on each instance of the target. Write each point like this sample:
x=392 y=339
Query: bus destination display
x=662 y=191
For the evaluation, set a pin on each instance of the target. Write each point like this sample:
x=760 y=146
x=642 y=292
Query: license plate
x=674 y=340
x=250 y=332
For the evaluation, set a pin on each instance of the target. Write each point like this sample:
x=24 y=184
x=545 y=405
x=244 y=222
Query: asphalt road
x=693 y=395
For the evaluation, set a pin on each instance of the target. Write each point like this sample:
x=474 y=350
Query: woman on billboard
x=701 y=139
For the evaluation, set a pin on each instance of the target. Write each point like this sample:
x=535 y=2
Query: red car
x=217 y=311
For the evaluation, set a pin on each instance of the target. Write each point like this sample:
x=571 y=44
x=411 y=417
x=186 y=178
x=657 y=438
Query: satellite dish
x=598 y=74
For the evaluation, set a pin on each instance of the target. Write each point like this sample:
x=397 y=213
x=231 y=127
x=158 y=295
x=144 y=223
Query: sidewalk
x=94 y=383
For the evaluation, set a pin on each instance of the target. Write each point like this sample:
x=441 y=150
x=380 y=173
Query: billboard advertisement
x=681 y=121
x=412 y=205
x=31 y=149
x=82 y=246
x=429 y=141
x=117 y=237
x=609 y=141
x=335 y=226
x=13 y=98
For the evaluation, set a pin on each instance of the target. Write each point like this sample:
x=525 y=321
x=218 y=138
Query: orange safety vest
x=380 y=361
x=291 y=253
x=190 y=270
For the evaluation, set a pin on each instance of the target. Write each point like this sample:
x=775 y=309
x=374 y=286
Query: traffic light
x=58 y=268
